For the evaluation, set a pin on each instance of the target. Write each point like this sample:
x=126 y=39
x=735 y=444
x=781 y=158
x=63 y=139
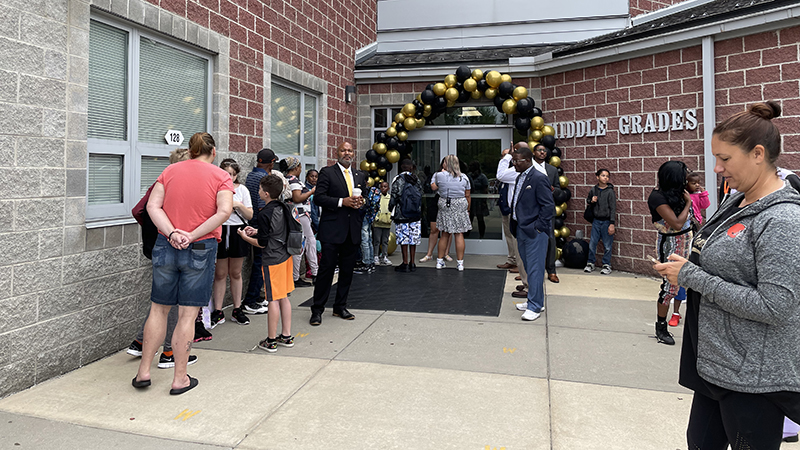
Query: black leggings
x=745 y=421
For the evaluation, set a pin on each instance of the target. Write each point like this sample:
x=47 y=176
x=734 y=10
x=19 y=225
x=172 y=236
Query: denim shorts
x=183 y=277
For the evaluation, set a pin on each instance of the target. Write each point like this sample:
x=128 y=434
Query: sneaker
x=168 y=362
x=530 y=316
x=269 y=345
x=301 y=283
x=285 y=341
x=360 y=269
x=217 y=317
x=674 y=320
x=135 y=349
x=237 y=316
x=377 y=261
x=589 y=268
x=662 y=335
x=200 y=332
x=425 y=258
x=460 y=267
x=440 y=265
x=386 y=262
x=606 y=269
x=371 y=268
x=255 y=308
x=521 y=306
x=402 y=268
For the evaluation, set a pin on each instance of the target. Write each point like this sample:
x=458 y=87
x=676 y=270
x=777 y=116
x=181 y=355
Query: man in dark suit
x=539 y=157
x=339 y=231
x=531 y=222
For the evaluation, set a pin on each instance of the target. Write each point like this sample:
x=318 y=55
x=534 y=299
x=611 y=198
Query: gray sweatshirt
x=606 y=206
x=748 y=334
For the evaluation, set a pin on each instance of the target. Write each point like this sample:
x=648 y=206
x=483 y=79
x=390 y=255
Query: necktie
x=514 y=198
x=349 y=182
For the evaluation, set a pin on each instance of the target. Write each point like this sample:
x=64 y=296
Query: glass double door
x=478 y=151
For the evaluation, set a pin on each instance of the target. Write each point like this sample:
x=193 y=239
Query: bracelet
x=169 y=238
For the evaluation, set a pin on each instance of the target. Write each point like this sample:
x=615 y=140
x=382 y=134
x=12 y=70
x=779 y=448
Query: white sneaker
x=377 y=261
x=521 y=306
x=440 y=265
x=386 y=261
x=460 y=267
x=530 y=315
x=606 y=270
x=589 y=268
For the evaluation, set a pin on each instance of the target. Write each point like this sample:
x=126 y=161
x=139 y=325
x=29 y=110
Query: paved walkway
x=587 y=375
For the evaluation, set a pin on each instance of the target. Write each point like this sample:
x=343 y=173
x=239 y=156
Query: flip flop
x=192 y=383
x=140 y=384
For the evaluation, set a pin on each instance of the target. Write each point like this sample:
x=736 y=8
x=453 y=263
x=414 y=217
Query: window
x=294 y=124
x=140 y=86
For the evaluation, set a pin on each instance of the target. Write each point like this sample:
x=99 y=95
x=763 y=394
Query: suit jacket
x=552 y=174
x=335 y=221
x=535 y=206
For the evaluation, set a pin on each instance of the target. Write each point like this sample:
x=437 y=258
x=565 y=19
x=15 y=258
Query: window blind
x=285 y=120
x=152 y=166
x=309 y=125
x=105 y=179
x=108 y=87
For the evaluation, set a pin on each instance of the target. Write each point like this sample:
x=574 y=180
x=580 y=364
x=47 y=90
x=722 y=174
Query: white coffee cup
x=356 y=192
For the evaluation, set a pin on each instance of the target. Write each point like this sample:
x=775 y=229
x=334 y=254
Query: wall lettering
x=631 y=124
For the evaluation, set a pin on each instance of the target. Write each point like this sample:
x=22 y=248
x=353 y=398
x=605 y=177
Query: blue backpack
x=411 y=201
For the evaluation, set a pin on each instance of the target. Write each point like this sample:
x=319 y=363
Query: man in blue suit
x=531 y=223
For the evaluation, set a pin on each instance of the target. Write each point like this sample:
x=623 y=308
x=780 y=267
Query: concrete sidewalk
x=587 y=375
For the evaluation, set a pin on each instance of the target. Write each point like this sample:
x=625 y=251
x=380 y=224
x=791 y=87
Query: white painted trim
x=663 y=12
x=709 y=120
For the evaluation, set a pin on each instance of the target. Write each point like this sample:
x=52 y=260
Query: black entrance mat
x=473 y=292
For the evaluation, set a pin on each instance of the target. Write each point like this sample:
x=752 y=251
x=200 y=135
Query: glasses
x=517 y=161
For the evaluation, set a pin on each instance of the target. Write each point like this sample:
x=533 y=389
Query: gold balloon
x=391 y=131
x=364 y=165
x=419 y=98
x=393 y=156
x=476 y=94
x=399 y=117
x=470 y=85
x=439 y=89
x=393 y=125
x=451 y=95
x=532 y=144
x=372 y=166
x=555 y=161
x=382 y=172
x=537 y=123
x=403 y=135
x=375 y=146
x=477 y=74
x=409 y=110
x=565 y=232
x=558 y=253
x=392 y=244
x=493 y=78
x=563 y=181
x=490 y=93
x=381 y=149
x=520 y=93
x=559 y=211
x=427 y=111
x=557 y=233
x=420 y=122
x=510 y=106
x=536 y=135
x=410 y=123
x=450 y=80
x=547 y=130
x=505 y=77
x=370 y=182
x=451 y=104
x=564 y=206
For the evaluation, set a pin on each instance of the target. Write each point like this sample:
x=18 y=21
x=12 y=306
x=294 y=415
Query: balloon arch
x=509 y=98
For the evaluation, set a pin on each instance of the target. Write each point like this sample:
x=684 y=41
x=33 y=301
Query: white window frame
x=305 y=161
x=131 y=149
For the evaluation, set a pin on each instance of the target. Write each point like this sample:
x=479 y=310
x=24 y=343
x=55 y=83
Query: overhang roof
x=488 y=56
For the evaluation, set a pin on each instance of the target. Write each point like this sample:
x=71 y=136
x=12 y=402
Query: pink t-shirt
x=190 y=194
x=700 y=202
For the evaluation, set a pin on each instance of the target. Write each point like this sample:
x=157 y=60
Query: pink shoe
x=675 y=320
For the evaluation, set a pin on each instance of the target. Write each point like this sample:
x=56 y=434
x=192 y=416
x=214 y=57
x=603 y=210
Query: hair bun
x=766 y=111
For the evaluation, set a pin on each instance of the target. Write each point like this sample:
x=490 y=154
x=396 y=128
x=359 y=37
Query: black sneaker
x=238 y=316
x=301 y=283
x=270 y=345
x=663 y=335
x=200 y=332
x=285 y=341
x=217 y=317
x=135 y=349
x=254 y=308
x=168 y=362
x=360 y=269
x=402 y=268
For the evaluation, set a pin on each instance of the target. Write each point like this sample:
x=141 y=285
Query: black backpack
x=411 y=202
x=588 y=214
x=295 y=241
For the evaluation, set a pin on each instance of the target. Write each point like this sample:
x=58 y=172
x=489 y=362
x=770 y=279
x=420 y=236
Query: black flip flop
x=140 y=384
x=192 y=383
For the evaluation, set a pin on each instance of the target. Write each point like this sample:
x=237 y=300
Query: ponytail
x=201 y=144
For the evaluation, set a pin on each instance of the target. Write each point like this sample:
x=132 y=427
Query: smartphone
x=653 y=260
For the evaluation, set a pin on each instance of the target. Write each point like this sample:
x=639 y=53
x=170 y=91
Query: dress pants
x=511 y=241
x=345 y=255
x=533 y=250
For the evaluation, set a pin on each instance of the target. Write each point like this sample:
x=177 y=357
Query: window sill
x=109 y=223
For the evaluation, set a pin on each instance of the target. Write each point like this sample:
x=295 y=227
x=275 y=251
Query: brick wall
x=637 y=7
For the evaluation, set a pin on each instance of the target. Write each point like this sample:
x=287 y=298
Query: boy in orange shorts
x=277 y=262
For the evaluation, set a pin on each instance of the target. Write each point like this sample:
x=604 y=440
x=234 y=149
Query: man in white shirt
x=507 y=174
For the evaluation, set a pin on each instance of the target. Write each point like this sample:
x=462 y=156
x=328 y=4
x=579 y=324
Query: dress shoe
x=520 y=294
x=518 y=278
x=522 y=287
x=506 y=266
x=514 y=270
x=344 y=314
x=316 y=318
x=553 y=277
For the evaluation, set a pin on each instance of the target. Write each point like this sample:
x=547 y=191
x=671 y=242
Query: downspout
x=709 y=122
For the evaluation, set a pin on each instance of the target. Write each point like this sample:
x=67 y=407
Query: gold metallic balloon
x=375 y=146
x=450 y=80
x=470 y=85
x=547 y=130
x=565 y=232
x=419 y=98
x=476 y=94
x=490 y=93
x=409 y=110
x=391 y=131
x=420 y=123
x=392 y=244
x=427 y=111
x=505 y=77
x=493 y=78
x=563 y=181
x=510 y=106
x=557 y=233
x=393 y=125
x=382 y=172
x=410 y=123
x=520 y=93
x=403 y=135
x=451 y=95
x=555 y=161
x=477 y=74
x=537 y=123
x=370 y=182
x=381 y=149
x=393 y=156
x=364 y=165
x=559 y=211
x=535 y=135
x=564 y=207
x=439 y=89
x=451 y=104
x=558 y=253
x=399 y=117
x=372 y=166
x=532 y=144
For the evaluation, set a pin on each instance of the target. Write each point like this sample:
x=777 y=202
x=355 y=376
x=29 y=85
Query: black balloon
x=402 y=146
x=522 y=124
x=560 y=242
x=382 y=137
x=459 y=86
x=372 y=155
x=560 y=170
x=464 y=96
x=388 y=167
x=549 y=154
x=569 y=194
x=440 y=103
x=524 y=107
x=575 y=253
x=427 y=96
x=419 y=114
x=373 y=173
x=536 y=112
x=559 y=196
x=391 y=143
x=557 y=152
x=498 y=103
x=483 y=85
x=549 y=142
x=382 y=161
x=417 y=103
x=558 y=222
x=506 y=89
x=462 y=73
x=400 y=127
x=429 y=87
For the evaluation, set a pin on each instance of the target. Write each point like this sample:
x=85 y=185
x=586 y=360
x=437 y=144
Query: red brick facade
x=638 y=7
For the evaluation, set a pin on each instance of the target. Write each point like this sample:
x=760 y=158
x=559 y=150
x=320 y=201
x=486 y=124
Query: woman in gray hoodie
x=741 y=342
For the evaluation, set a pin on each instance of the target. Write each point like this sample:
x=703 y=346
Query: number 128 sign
x=174 y=137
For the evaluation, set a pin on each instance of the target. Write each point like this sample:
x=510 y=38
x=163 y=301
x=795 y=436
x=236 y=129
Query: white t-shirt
x=240 y=194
